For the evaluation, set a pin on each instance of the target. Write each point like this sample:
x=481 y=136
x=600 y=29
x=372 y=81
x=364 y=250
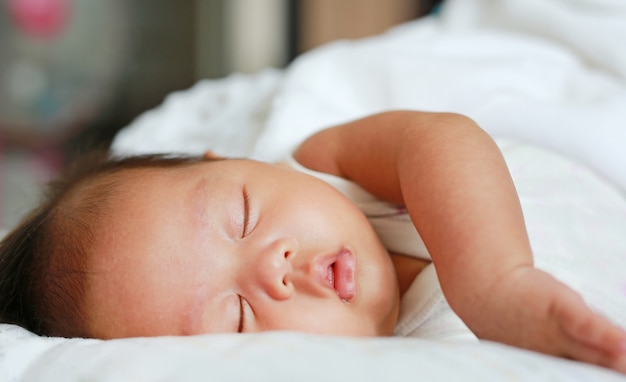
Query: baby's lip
x=337 y=272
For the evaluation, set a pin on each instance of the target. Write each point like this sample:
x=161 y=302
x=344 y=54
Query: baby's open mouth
x=330 y=275
x=341 y=275
x=338 y=272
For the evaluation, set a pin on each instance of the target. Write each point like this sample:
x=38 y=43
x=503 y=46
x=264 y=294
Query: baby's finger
x=619 y=364
x=600 y=333
x=592 y=355
x=584 y=325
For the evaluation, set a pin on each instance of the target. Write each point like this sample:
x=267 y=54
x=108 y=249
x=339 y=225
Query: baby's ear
x=210 y=155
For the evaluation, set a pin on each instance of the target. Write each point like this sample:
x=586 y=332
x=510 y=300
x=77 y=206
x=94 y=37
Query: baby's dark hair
x=43 y=261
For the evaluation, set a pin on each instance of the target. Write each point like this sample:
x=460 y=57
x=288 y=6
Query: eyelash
x=246 y=223
x=246 y=213
x=242 y=320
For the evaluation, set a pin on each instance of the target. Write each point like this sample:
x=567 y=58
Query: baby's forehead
x=177 y=179
x=138 y=185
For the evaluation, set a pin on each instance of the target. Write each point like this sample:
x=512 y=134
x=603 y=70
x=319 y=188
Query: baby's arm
x=455 y=184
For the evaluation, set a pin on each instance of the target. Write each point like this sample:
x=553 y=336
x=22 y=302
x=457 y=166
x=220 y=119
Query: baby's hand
x=537 y=312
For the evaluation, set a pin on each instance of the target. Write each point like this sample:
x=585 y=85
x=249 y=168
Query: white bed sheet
x=547 y=72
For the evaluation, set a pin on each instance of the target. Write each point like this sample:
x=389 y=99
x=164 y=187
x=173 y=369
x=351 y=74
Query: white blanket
x=547 y=72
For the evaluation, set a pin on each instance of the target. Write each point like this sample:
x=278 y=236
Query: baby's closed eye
x=246 y=212
x=243 y=316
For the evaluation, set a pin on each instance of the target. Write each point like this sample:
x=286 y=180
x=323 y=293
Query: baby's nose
x=274 y=267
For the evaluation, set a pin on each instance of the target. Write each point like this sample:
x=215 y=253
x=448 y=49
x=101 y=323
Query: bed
x=547 y=78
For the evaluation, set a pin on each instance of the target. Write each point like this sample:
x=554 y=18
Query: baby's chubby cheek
x=379 y=287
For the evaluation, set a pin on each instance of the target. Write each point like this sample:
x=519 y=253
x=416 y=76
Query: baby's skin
x=243 y=246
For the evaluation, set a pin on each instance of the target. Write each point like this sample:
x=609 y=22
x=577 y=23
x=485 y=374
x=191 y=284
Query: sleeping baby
x=326 y=242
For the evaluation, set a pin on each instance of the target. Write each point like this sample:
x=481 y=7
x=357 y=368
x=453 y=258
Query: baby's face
x=236 y=245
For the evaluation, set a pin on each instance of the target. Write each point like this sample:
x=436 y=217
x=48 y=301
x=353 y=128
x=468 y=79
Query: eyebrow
x=192 y=317
x=198 y=302
x=198 y=212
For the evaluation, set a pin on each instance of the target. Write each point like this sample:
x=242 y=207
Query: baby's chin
x=387 y=323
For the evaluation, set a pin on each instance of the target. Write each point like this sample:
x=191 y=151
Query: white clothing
x=424 y=311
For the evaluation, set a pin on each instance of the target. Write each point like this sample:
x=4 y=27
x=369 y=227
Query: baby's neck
x=407 y=269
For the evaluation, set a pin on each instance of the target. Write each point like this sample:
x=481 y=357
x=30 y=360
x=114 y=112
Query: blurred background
x=74 y=72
